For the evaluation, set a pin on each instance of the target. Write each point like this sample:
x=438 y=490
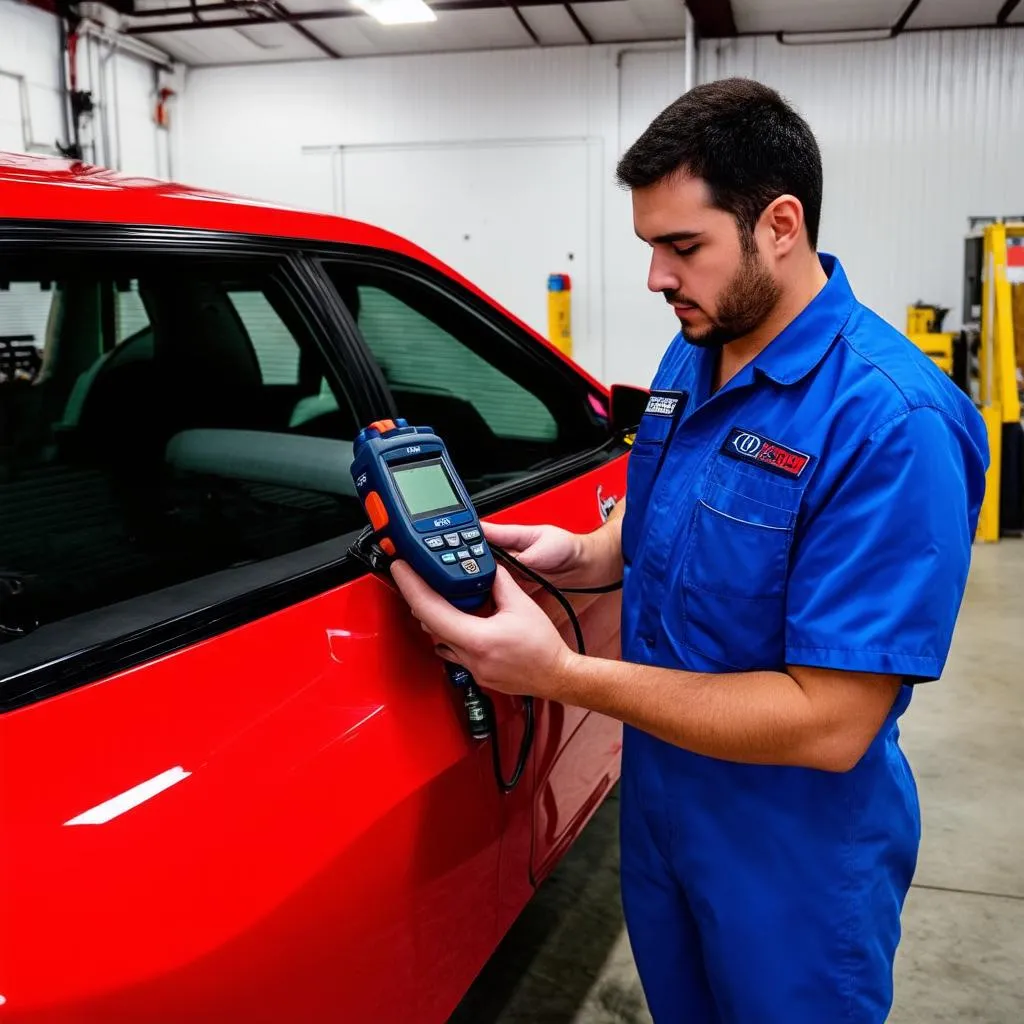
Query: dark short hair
x=743 y=140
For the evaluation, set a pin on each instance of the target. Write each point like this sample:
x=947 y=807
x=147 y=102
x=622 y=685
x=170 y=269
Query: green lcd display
x=426 y=489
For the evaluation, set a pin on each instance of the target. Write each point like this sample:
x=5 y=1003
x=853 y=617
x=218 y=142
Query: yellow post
x=1006 y=355
x=560 y=312
x=1000 y=400
x=988 y=521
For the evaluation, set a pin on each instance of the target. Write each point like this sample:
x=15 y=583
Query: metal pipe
x=690 y=72
x=117 y=118
x=136 y=47
x=101 y=77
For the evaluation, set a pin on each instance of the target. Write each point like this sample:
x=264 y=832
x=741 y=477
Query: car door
x=234 y=785
x=528 y=433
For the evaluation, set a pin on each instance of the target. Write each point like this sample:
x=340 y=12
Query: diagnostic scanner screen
x=426 y=489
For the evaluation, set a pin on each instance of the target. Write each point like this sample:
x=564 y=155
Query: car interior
x=134 y=461
x=160 y=425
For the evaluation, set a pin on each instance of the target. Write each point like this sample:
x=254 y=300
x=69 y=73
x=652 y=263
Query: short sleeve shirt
x=819 y=509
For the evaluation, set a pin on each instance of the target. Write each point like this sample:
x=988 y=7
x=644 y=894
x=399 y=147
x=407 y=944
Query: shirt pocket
x=645 y=456
x=732 y=583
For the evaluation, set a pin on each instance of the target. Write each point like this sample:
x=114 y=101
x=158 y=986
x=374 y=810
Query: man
x=802 y=497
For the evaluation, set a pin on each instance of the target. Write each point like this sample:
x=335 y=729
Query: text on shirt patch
x=747 y=446
x=663 y=403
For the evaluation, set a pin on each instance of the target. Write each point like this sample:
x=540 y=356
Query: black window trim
x=288 y=579
x=503 y=329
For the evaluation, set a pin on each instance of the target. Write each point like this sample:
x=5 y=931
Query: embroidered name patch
x=664 y=403
x=758 y=449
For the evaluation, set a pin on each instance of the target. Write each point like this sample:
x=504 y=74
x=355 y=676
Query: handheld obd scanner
x=420 y=512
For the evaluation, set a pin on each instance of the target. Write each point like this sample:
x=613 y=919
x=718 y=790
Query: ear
x=782 y=224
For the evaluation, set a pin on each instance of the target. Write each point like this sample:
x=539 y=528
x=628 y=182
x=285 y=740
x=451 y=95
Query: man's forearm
x=750 y=717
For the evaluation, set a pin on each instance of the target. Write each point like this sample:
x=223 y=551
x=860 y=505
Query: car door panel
x=287 y=820
x=576 y=752
x=336 y=838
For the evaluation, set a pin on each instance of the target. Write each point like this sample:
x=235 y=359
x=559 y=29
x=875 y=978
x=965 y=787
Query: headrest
x=287 y=460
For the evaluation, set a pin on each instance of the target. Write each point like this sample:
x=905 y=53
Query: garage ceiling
x=199 y=32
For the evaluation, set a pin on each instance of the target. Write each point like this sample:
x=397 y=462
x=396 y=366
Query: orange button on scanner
x=376 y=511
x=387 y=547
x=383 y=425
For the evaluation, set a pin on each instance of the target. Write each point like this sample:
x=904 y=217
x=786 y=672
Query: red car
x=235 y=782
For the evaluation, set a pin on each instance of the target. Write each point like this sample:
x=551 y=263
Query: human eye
x=688 y=250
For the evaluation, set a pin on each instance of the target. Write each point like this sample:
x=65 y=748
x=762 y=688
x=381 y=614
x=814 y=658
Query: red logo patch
x=746 y=446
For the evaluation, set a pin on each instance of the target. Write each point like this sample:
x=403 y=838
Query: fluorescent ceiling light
x=397 y=12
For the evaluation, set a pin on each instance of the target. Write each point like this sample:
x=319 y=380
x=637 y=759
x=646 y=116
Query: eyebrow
x=678 y=236
x=673 y=236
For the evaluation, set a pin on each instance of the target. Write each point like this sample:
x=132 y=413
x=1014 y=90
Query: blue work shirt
x=819 y=509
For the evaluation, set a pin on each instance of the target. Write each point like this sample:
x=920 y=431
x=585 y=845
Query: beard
x=744 y=305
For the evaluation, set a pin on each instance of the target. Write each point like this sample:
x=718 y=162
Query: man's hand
x=515 y=650
x=566 y=559
x=553 y=552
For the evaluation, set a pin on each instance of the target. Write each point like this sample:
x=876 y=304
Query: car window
x=132 y=317
x=414 y=352
x=163 y=419
x=276 y=348
x=503 y=408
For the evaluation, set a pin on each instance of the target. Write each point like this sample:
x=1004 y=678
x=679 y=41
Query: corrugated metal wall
x=916 y=133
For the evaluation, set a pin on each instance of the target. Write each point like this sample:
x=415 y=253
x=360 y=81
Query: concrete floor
x=567 y=960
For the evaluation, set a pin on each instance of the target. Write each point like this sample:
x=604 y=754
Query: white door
x=503 y=214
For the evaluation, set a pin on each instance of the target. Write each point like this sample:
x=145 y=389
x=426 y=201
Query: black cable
x=524 y=746
x=479 y=706
x=552 y=590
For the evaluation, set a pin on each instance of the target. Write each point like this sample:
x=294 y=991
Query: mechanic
x=801 y=500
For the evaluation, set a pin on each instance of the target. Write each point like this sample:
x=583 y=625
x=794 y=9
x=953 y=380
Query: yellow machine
x=994 y=270
x=924 y=329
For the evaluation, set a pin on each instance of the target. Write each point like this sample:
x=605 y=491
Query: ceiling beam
x=1005 y=11
x=579 y=24
x=259 y=15
x=713 y=19
x=901 y=21
x=279 y=8
x=240 y=6
x=527 y=27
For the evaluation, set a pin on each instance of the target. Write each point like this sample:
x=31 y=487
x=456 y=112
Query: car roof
x=47 y=188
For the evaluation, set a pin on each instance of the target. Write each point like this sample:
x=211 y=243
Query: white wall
x=275 y=132
x=122 y=133
x=917 y=134
x=29 y=79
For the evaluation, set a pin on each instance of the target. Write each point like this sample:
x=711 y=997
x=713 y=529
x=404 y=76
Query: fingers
x=506 y=593
x=510 y=536
x=436 y=615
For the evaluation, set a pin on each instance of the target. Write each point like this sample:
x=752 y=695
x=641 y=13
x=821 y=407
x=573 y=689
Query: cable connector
x=368 y=551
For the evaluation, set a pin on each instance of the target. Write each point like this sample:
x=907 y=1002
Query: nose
x=662 y=277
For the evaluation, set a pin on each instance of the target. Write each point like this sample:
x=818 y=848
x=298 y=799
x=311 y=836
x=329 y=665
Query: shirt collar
x=798 y=349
